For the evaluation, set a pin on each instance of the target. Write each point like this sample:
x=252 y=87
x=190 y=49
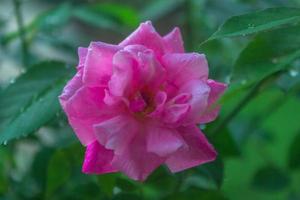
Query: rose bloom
x=136 y=105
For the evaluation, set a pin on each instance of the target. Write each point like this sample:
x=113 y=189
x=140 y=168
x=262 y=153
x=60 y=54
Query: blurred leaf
x=268 y=53
x=126 y=184
x=225 y=144
x=107 y=15
x=158 y=8
x=59 y=170
x=107 y=183
x=32 y=100
x=125 y=196
x=207 y=176
x=294 y=154
x=257 y=21
x=46 y=21
x=39 y=168
x=196 y=194
x=270 y=179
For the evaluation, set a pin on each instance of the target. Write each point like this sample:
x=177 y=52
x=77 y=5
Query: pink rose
x=136 y=105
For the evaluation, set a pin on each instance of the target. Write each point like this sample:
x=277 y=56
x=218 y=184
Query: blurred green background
x=257 y=134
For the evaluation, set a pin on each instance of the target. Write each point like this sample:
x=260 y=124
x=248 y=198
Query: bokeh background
x=257 y=134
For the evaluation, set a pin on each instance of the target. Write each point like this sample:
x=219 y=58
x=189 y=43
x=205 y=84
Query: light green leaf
x=32 y=100
x=269 y=52
x=257 y=21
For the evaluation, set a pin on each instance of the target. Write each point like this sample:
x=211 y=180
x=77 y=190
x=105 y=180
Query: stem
x=251 y=94
x=21 y=30
x=189 y=24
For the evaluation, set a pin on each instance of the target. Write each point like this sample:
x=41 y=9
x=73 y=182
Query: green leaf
x=159 y=8
x=196 y=194
x=294 y=154
x=207 y=176
x=270 y=179
x=268 y=53
x=107 y=183
x=59 y=170
x=257 y=21
x=225 y=144
x=107 y=15
x=32 y=100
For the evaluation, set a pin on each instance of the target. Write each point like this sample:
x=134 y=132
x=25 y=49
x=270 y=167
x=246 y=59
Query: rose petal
x=84 y=109
x=199 y=151
x=212 y=111
x=116 y=133
x=135 y=161
x=163 y=141
x=97 y=159
x=173 y=42
x=98 y=63
x=145 y=35
x=199 y=91
x=183 y=67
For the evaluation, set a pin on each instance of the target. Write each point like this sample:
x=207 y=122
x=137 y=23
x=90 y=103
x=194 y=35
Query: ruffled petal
x=198 y=150
x=135 y=161
x=199 y=91
x=84 y=109
x=121 y=79
x=163 y=141
x=98 y=63
x=145 y=35
x=70 y=89
x=212 y=111
x=97 y=159
x=116 y=133
x=182 y=67
x=173 y=42
x=82 y=52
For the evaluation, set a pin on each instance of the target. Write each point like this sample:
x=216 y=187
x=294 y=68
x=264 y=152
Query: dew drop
x=274 y=60
x=5 y=142
x=244 y=82
x=293 y=73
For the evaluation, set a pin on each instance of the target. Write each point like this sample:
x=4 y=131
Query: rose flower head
x=136 y=105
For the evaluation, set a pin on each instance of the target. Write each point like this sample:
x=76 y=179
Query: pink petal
x=82 y=52
x=197 y=152
x=182 y=67
x=163 y=141
x=122 y=73
x=173 y=42
x=175 y=113
x=135 y=161
x=97 y=159
x=198 y=102
x=216 y=90
x=84 y=109
x=70 y=89
x=116 y=133
x=145 y=35
x=98 y=63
